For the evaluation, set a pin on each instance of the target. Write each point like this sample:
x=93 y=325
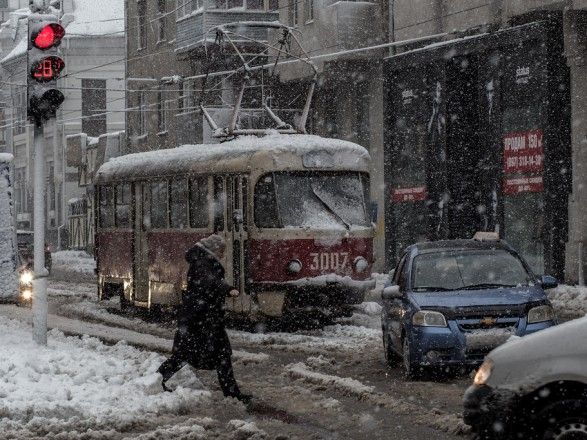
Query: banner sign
x=523 y=152
x=523 y=185
x=415 y=194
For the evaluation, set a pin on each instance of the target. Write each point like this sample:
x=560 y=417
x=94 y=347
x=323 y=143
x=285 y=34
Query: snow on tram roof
x=238 y=154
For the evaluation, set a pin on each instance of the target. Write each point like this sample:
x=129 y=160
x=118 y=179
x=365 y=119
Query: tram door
x=237 y=216
x=142 y=220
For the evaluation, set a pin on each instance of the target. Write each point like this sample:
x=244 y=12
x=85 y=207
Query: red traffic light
x=47 y=69
x=49 y=36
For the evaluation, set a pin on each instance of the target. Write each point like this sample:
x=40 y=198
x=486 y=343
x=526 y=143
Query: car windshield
x=319 y=200
x=454 y=270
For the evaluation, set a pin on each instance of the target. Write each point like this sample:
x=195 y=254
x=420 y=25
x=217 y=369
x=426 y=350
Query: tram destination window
x=159 y=212
x=123 y=198
x=106 y=194
x=199 y=202
x=266 y=203
x=178 y=203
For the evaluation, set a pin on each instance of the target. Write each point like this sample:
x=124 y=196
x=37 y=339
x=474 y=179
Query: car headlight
x=428 y=318
x=361 y=264
x=294 y=266
x=484 y=372
x=26 y=277
x=540 y=314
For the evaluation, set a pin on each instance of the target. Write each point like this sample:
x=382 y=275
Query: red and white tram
x=294 y=210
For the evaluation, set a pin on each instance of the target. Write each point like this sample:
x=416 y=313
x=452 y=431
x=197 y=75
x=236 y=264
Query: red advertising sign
x=414 y=194
x=519 y=185
x=523 y=152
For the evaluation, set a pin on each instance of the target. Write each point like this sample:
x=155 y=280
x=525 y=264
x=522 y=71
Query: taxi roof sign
x=486 y=236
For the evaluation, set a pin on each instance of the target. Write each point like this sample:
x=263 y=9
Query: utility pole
x=44 y=67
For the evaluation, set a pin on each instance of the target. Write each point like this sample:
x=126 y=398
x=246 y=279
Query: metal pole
x=581 y=274
x=40 y=279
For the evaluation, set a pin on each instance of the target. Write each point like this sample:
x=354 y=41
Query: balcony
x=192 y=29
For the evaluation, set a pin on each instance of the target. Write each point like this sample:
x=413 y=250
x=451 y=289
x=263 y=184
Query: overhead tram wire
x=285 y=62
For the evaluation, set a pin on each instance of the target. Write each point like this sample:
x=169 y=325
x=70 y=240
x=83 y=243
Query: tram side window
x=159 y=212
x=199 y=202
x=106 y=207
x=123 y=196
x=178 y=203
x=219 y=202
x=266 y=203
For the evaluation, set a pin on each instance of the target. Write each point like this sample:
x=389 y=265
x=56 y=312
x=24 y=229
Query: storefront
x=477 y=138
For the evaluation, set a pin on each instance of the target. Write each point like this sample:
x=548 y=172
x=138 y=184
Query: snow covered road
x=323 y=384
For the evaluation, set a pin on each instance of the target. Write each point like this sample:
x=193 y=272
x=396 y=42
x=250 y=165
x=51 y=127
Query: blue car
x=451 y=302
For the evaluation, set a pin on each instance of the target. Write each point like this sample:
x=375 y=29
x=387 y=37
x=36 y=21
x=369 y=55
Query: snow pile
x=344 y=384
x=241 y=153
x=246 y=430
x=8 y=277
x=380 y=280
x=85 y=379
x=74 y=261
x=569 y=302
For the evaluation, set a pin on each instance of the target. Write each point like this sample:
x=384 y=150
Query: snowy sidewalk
x=110 y=335
x=80 y=382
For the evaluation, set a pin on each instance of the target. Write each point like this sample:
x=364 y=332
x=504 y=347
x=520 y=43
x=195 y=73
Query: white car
x=534 y=387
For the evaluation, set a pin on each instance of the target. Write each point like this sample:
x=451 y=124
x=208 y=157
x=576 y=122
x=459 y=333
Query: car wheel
x=391 y=357
x=410 y=370
x=563 y=420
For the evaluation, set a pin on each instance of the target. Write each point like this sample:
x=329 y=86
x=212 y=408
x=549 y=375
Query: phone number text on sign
x=523 y=152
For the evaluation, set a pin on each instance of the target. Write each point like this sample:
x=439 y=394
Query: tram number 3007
x=329 y=260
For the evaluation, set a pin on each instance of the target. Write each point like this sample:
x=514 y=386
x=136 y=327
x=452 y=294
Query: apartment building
x=93 y=85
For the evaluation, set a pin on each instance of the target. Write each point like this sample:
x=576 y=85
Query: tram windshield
x=318 y=200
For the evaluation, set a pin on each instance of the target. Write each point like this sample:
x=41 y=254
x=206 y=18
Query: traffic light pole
x=40 y=280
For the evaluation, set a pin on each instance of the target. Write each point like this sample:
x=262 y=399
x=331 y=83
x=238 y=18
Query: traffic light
x=44 y=67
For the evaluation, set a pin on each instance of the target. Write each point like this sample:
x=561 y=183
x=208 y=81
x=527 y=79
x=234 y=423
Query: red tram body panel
x=293 y=209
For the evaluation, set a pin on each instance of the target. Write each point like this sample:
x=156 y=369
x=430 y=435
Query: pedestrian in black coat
x=201 y=339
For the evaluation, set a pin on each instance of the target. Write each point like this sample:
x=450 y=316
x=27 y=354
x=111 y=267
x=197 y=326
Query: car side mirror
x=548 y=282
x=391 y=292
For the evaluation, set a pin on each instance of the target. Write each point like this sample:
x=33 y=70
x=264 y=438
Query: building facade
x=93 y=85
x=484 y=128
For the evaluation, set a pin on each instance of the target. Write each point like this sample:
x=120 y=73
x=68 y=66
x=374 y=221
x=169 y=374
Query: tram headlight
x=294 y=266
x=361 y=264
x=26 y=278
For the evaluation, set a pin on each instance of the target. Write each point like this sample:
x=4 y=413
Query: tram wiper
x=329 y=208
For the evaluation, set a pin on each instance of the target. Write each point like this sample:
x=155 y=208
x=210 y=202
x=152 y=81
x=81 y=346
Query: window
x=94 y=107
x=185 y=7
x=123 y=198
x=106 y=194
x=20 y=190
x=141 y=24
x=309 y=10
x=199 y=202
x=143 y=108
x=219 y=202
x=159 y=212
x=454 y=270
x=274 y=5
x=178 y=203
x=316 y=200
x=294 y=12
x=161 y=9
x=266 y=203
x=162 y=107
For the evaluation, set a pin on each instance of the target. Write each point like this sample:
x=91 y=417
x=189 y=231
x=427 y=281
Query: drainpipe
x=391 y=26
